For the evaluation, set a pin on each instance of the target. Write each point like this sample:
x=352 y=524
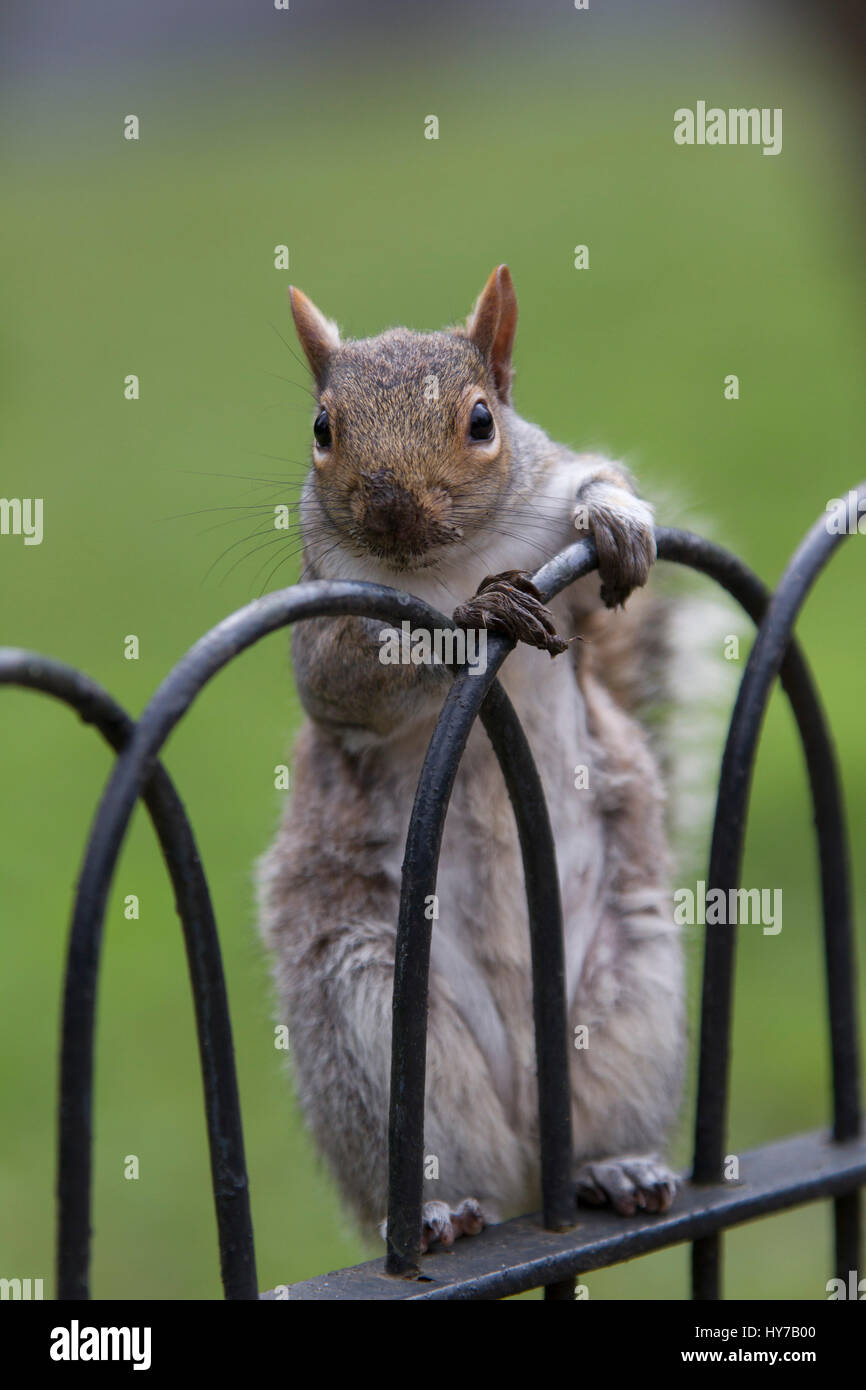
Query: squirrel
x=425 y=478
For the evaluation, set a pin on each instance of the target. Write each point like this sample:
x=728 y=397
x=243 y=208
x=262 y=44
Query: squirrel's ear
x=492 y=325
x=318 y=336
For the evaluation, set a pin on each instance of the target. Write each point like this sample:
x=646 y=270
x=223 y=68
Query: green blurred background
x=156 y=258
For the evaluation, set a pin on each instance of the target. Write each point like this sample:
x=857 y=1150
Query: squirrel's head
x=410 y=447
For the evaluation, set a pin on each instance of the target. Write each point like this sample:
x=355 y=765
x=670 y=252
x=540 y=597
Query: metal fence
x=550 y=1249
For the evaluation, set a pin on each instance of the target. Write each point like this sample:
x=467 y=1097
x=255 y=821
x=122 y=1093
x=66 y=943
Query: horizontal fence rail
x=520 y=1255
x=504 y=1258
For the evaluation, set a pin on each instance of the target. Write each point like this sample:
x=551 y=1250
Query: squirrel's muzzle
x=400 y=523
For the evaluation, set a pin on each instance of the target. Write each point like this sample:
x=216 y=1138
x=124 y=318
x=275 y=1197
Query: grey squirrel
x=434 y=491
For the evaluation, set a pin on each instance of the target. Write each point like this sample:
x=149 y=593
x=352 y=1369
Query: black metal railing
x=530 y=1252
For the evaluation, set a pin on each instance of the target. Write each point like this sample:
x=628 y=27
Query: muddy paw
x=445 y=1224
x=509 y=603
x=628 y=1184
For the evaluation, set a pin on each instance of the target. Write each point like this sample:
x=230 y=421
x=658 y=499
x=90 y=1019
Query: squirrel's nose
x=397 y=522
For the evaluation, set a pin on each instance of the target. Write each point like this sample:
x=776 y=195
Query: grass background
x=156 y=258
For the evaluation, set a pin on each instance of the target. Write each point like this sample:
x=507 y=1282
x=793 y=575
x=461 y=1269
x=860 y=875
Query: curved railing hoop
x=774 y=652
x=219 y=1080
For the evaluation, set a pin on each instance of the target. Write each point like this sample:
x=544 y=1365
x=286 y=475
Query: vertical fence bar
x=411 y=975
x=547 y=948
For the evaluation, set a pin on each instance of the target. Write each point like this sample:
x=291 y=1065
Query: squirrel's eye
x=480 y=422
x=322 y=429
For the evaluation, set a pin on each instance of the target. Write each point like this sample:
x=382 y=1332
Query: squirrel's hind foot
x=443 y=1224
x=628 y=1184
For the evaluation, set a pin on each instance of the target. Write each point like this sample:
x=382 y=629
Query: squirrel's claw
x=510 y=604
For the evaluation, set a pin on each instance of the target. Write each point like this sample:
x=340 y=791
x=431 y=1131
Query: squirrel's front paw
x=621 y=525
x=509 y=603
